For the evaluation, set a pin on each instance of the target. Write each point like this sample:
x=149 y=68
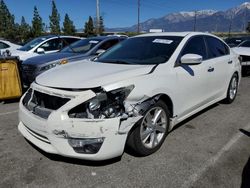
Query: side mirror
x=40 y=51
x=191 y=59
x=99 y=52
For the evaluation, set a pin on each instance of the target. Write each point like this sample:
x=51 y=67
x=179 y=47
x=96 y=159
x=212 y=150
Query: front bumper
x=52 y=134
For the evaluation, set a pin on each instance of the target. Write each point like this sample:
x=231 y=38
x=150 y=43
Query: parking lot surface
x=211 y=149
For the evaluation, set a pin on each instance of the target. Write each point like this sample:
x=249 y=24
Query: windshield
x=32 y=43
x=142 y=50
x=81 y=46
x=245 y=44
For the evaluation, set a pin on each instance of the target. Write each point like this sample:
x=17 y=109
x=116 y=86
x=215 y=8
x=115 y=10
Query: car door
x=52 y=45
x=220 y=64
x=193 y=83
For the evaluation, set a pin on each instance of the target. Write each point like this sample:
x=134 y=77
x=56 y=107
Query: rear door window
x=216 y=48
x=108 y=44
x=68 y=41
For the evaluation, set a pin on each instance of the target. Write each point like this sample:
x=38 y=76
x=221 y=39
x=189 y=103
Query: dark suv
x=82 y=49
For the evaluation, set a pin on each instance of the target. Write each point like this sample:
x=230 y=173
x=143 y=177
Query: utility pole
x=244 y=20
x=230 y=26
x=138 y=21
x=97 y=17
x=195 y=20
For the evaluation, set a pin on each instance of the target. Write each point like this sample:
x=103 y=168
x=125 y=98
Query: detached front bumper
x=58 y=132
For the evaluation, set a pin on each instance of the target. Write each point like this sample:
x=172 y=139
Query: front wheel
x=232 y=89
x=150 y=131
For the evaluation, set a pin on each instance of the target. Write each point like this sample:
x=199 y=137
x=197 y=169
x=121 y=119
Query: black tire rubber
x=134 y=142
x=228 y=100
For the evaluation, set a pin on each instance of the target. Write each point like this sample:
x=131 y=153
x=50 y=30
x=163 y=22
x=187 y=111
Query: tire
x=232 y=89
x=146 y=138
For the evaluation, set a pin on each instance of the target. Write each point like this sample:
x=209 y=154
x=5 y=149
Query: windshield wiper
x=115 y=61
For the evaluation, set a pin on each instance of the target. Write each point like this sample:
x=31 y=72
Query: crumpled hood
x=242 y=51
x=88 y=74
x=45 y=58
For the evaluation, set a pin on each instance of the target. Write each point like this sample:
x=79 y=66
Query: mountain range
x=234 y=19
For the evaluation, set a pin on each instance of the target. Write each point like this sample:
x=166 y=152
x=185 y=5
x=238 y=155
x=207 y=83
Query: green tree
x=24 y=30
x=248 y=27
x=68 y=26
x=54 y=19
x=89 y=27
x=7 y=22
x=37 y=24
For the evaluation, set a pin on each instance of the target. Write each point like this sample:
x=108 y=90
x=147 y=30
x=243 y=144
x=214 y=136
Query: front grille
x=245 y=58
x=28 y=73
x=42 y=104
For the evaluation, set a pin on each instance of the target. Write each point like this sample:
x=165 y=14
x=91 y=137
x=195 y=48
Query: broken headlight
x=103 y=105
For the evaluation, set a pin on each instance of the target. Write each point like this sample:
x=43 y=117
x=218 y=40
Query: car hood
x=242 y=51
x=88 y=74
x=45 y=58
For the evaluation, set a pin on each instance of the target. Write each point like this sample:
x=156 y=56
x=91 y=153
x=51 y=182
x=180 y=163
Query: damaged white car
x=131 y=95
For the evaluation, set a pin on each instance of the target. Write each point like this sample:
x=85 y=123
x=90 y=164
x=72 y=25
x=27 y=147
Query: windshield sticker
x=162 y=41
x=93 y=41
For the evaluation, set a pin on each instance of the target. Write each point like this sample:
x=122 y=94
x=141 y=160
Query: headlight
x=103 y=105
x=47 y=67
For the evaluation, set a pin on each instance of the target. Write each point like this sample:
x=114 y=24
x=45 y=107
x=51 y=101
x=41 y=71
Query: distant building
x=156 y=30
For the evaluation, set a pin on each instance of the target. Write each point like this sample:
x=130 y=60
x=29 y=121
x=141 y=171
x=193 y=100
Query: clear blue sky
x=116 y=13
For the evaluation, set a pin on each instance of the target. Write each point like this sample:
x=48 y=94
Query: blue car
x=82 y=49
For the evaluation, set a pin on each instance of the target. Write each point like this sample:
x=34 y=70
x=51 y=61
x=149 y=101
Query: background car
x=82 y=49
x=243 y=49
x=134 y=94
x=6 y=45
x=235 y=41
x=43 y=45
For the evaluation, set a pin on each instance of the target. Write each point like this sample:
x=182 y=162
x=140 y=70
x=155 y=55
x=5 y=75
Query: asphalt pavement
x=211 y=149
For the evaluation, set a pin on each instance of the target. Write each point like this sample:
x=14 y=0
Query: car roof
x=55 y=36
x=178 y=34
x=106 y=37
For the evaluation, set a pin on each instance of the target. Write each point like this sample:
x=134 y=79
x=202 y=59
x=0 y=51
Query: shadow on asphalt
x=69 y=160
x=194 y=116
x=247 y=133
x=246 y=170
x=9 y=101
x=246 y=175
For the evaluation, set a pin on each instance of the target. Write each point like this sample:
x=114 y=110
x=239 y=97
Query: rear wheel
x=232 y=89
x=151 y=130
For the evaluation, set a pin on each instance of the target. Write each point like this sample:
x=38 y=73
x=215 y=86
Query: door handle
x=230 y=62
x=211 y=69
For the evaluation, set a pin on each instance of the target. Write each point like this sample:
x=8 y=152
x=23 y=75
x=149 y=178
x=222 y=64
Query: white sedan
x=43 y=45
x=6 y=45
x=243 y=49
x=133 y=94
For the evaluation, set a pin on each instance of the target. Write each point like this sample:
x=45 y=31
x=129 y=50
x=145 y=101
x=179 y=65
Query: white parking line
x=7 y=113
x=196 y=176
